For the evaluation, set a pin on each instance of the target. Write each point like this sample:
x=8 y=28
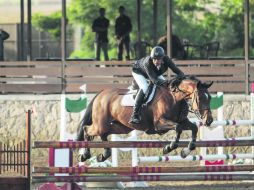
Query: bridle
x=197 y=110
x=194 y=100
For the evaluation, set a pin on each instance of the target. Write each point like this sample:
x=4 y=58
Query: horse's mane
x=176 y=81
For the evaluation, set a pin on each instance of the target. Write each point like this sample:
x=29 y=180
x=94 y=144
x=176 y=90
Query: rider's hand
x=161 y=82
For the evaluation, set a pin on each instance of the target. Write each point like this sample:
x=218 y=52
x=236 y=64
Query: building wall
x=46 y=119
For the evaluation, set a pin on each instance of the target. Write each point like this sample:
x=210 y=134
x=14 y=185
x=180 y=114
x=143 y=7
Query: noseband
x=195 y=100
x=186 y=96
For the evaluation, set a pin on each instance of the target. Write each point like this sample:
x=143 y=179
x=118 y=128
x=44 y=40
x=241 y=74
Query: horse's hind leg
x=87 y=154
x=107 y=151
x=174 y=144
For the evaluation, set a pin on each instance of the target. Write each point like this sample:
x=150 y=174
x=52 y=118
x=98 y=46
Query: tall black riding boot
x=135 y=117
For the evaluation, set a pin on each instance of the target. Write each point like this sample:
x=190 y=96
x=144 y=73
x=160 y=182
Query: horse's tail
x=86 y=120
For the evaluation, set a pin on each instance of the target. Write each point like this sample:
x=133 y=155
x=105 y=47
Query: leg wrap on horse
x=173 y=145
x=192 y=145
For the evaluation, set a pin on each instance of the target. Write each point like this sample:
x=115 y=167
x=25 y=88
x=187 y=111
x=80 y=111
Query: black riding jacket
x=146 y=68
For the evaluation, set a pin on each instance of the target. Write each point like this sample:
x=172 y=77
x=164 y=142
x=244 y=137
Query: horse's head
x=202 y=102
x=198 y=97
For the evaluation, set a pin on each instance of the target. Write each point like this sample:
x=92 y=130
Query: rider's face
x=157 y=62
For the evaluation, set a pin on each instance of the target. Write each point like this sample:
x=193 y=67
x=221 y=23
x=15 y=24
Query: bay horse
x=168 y=110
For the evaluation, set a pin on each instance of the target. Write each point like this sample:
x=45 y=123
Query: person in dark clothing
x=100 y=27
x=3 y=36
x=123 y=28
x=152 y=68
x=177 y=47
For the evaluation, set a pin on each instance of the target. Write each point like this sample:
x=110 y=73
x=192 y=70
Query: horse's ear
x=208 y=85
x=204 y=85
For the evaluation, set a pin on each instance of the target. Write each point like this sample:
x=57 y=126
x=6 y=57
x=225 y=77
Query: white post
x=252 y=118
x=134 y=151
x=220 y=117
x=83 y=88
x=63 y=119
x=215 y=133
x=114 y=153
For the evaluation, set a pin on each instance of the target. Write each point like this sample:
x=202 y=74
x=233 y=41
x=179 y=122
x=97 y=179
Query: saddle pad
x=128 y=99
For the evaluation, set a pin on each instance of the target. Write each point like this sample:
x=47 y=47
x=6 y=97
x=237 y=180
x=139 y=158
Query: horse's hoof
x=192 y=146
x=185 y=152
x=166 y=149
x=84 y=157
x=100 y=158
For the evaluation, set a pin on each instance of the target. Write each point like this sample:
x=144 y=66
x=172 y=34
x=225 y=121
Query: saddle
x=129 y=97
x=134 y=86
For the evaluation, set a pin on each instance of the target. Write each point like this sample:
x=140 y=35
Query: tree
x=195 y=20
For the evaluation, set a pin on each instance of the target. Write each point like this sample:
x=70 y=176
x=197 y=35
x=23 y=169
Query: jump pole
x=195 y=158
x=138 y=170
x=137 y=144
x=128 y=178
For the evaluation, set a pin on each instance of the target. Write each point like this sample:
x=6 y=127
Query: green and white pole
x=63 y=157
x=71 y=106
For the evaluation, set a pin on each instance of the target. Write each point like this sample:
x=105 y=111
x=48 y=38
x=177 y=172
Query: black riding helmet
x=157 y=53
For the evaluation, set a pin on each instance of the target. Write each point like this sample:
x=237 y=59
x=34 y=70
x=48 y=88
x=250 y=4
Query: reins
x=186 y=96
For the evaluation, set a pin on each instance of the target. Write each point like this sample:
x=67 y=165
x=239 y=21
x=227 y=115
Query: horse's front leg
x=192 y=145
x=86 y=151
x=174 y=144
x=107 y=151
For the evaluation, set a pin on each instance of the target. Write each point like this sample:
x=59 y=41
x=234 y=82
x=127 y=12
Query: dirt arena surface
x=183 y=185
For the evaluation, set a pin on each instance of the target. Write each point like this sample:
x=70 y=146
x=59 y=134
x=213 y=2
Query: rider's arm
x=173 y=67
x=152 y=75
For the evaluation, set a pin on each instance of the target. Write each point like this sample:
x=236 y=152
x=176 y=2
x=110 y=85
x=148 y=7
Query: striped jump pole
x=128 y=178
x=137 y=144
x=226 y=123
x=194 y=158
x=136 y=170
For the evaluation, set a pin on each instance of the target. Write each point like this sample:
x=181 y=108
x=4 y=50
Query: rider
x=152 y=68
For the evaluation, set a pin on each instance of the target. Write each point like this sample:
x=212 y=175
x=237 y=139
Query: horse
x=168 y=110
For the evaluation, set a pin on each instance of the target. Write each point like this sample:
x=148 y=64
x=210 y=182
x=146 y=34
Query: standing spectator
x=3 y=36
x=123 y=28
x=100 y=27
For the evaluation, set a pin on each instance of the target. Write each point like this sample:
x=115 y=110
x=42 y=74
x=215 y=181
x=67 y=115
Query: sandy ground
x=179 y=185
x=188 y=186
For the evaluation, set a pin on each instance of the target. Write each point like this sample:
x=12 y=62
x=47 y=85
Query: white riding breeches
x=142 y=81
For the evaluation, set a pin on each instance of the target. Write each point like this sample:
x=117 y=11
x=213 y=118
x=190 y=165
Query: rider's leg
x=135 y=117
x=143 y=86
